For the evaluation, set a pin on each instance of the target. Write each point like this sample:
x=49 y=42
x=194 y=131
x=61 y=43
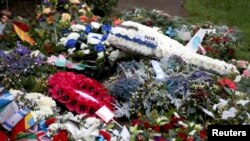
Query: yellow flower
x=46 y=10
x=65 y=17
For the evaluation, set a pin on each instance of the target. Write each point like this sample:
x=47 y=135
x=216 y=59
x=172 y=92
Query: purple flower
x=39 y=60
x=21 y=50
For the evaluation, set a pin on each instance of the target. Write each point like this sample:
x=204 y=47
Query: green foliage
x=232 y=13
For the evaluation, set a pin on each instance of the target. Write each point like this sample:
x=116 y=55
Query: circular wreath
x=79 y=93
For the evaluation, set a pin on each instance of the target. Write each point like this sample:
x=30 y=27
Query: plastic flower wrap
x=79 y=93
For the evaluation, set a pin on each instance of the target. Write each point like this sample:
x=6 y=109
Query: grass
x=223 y=12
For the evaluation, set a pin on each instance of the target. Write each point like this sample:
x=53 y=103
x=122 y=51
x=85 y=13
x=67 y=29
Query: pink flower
x=242 y=63
x=246 y=73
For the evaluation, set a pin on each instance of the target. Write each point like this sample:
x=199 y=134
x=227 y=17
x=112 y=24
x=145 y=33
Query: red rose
x=136 y=122
x=146 y=125
x=208 y=48
x=203 y=134
x=225 y=82
x=174 y=120
x=183 y=136
x=106 y=135
x=166 y=127
x=156 y=128
x=61 y=136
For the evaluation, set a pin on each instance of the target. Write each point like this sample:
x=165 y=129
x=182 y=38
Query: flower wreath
x=79 y=93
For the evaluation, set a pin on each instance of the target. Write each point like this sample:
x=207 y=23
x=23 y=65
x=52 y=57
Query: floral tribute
x=79 y=93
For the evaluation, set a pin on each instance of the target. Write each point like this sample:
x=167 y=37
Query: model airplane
x=138 y=38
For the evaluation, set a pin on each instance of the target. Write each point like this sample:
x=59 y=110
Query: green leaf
x=228 y=90
x=154 y=114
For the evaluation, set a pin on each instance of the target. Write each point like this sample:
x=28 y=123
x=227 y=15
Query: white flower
x=197 y=127
x=182 y=123
x=87 y=51
x=95 y=25
x=238 y=93
x=114 y=55
x=71 y=50
x=46 y=101
x=176 y=115
x=221 y=104
x=237 y=79
x=36 y=53
x=91 y=121
x=15 y=93
x=100 y=55
x=242 y=102
x=162 y=120
x=192 y=132
x=231 y=113
x=62 y=41
x=191 y=124
x=83 y=45
x=78 y=27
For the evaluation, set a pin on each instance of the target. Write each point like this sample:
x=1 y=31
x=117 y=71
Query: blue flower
x=88 y=29
x=170 y=32
x=71 y=43
x=99 y=48
x=66 y=31
x=21 y=50
x=106 y=28
x=123 y=88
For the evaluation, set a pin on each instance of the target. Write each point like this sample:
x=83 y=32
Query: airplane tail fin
x=196 y=40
